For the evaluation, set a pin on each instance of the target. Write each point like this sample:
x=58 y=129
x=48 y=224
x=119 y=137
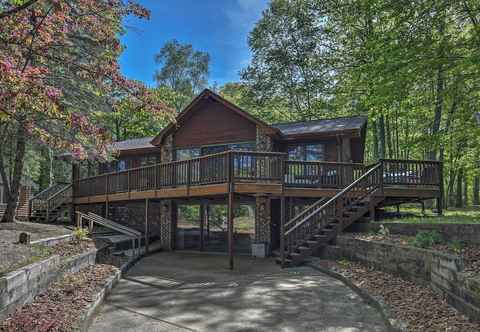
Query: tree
x=292 y=57
x=183 y=70
x=128 y=120
x=271 y=111
x=58 y=65
x=412 y=67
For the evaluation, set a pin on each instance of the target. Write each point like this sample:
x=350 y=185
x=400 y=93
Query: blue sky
x=219 y=27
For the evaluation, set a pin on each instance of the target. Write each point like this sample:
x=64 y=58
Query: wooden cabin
x=294 y=176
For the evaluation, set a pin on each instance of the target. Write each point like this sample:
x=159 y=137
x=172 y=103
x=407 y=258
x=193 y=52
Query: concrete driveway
x=196 y=292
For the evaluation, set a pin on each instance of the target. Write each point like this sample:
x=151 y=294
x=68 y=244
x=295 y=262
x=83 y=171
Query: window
x=307 y=152
x=184 y=154
x=121 y=165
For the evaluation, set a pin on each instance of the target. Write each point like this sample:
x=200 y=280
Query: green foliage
x=344 y=263
x=80 y=234
x=450 y=216
x=456 y=246
x=130 y=120
x=184 y=70
x=426 y=239
x=412 y=67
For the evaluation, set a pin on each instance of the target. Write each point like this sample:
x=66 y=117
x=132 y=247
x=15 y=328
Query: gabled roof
x=322 y=126
x=208 y=94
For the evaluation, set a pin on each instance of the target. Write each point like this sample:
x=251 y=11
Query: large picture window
x=307 y=152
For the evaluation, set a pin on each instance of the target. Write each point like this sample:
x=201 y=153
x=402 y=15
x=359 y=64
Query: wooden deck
x=255 y=173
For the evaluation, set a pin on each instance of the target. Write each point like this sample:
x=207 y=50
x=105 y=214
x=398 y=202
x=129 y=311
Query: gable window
x=307 y=152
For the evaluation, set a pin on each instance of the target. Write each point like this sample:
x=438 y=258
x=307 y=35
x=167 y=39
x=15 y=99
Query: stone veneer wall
x=262 y=210
x=264 y=142
x=441 y=271
x=166 y=149
x=468 y=233
x=262 y=220
x=166 y=206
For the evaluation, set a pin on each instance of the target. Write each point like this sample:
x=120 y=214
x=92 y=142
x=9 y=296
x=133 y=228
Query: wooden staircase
x=47 y=206
x=319 y=224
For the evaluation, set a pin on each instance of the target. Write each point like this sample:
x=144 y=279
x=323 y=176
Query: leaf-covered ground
x=60 y=306
x=15 y=256
x=418 y=306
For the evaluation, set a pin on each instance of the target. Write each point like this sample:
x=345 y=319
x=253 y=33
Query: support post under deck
x=282 y=230
x=146 y=227
x=230 y=228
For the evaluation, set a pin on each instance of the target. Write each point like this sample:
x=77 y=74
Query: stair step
x=320 y=237
x=304 y=250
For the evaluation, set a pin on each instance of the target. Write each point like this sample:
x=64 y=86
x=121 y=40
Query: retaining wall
x=441 y=271
x=21 y=286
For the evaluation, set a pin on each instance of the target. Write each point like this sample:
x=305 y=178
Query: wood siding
x=213 y=123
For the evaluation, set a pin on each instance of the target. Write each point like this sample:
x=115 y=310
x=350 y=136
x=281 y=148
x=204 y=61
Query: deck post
x=230 y=227
x=231 y=202
x=282 y=230
x=202 y=223
x=282 y=215
x=146 y=227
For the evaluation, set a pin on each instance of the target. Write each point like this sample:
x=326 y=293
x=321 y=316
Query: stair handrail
x=50 y=188
x=304 y=229
x=40 y=200
x=58 y=193
x=337 y=196
x=305 y=211
x=95 y=218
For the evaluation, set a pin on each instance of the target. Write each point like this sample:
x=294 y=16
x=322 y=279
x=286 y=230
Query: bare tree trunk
x=13 y=187
x=476 y=190
x=459 y=192
x=375 y=140
x=440 y=89
x=465 y=190
x=381 y=134
x=388 y=133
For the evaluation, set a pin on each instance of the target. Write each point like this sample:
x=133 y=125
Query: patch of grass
x=344 y=263
x=426 y=239
x=456 y=246
x=451 y=216
x=37 y=253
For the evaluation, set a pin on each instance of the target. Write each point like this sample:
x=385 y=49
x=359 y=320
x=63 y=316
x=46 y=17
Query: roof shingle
x=321 y=126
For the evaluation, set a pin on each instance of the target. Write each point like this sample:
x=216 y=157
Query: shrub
x=80 y=233
x=426 y=239
x=344 y=263
x=384 y=231
x=456 y=246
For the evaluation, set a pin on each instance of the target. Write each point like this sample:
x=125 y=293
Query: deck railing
x=247 y=166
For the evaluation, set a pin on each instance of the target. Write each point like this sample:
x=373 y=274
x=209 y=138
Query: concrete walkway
x=196 y=292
